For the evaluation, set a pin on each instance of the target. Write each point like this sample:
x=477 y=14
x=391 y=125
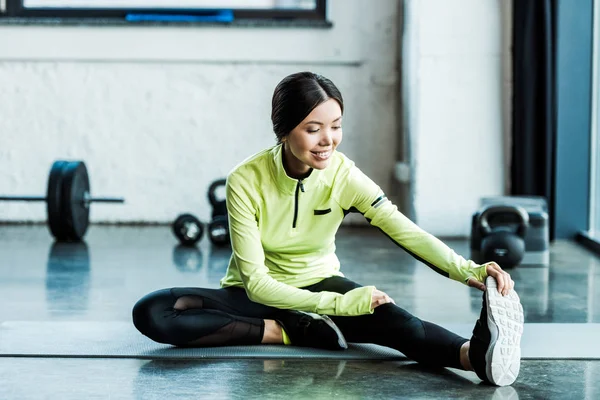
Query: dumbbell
x=188 y=229
x=218 y=228
x=67 y=200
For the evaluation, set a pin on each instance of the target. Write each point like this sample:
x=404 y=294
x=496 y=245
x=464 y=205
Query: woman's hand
x=378 y=298
x=505 y=283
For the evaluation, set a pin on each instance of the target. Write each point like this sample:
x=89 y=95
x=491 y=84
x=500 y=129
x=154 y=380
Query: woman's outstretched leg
x=493 y=351
x=394 y=327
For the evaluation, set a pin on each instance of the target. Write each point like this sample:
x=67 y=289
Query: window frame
x=15 y=9
x=594 y=217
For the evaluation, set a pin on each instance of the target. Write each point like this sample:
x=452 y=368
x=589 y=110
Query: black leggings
x=219 y=317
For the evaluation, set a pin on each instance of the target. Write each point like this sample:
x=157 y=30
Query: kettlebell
x=503 y=244
x=218 y=228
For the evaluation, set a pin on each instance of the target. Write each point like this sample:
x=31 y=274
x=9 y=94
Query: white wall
x=158 y=113
x=457 y=80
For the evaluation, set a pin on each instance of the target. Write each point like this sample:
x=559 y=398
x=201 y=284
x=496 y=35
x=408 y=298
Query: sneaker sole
x=340 y=336
x=505 y=322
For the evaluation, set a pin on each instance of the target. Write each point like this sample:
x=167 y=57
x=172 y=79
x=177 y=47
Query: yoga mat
x=116 y=339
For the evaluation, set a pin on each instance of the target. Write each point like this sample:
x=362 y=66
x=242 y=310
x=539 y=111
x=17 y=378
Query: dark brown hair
x=296 y=96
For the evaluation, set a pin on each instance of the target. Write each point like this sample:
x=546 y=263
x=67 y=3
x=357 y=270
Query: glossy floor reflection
x=101 y=280
x=277 y=379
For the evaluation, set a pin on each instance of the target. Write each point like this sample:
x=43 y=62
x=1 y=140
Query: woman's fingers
x=378 y=298
x=388 y=299
x=510 y=284
x=503 y=279
x=476 y=284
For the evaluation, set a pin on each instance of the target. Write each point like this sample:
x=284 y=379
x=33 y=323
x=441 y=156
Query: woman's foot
x=311 y=330
x=495 y=347
x=272 y=333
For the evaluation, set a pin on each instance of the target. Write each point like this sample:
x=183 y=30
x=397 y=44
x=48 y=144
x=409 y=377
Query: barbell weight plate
x=54 y=200
x=76 y=211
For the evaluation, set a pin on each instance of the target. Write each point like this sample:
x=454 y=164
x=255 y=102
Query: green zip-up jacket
x=283 y=233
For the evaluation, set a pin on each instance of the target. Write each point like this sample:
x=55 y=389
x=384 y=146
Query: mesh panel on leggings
x=233 y=334
x=187 y=302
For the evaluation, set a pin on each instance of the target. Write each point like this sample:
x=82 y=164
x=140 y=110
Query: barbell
x=67 y=200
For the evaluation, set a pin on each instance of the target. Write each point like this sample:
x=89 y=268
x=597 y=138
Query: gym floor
x=102 y=279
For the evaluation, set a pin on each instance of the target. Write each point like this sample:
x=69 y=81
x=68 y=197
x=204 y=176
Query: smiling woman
x=307 y=119
x=284 y=283
x=311 y=143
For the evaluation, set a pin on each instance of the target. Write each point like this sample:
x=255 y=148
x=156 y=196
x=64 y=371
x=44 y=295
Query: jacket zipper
x=299 y=187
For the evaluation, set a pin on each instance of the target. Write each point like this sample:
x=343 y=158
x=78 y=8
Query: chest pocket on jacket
x=322 y=212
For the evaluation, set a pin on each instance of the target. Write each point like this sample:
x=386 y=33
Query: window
x=207 y=4
x=595 y=185
x=166 y=10
x=594 y=204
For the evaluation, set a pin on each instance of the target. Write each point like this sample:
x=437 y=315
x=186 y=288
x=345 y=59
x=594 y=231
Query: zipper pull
x=301 y=186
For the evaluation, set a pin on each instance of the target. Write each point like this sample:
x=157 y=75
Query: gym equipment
x=219 y=205
x=218 y=228
x=502 y=244
x=511 y=230
x=67 y=200
x=188 y=229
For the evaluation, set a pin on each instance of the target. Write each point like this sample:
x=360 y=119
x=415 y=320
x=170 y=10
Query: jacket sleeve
x=361 y=193
x=260 y=286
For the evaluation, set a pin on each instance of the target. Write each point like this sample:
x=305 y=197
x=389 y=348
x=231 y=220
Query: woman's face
x=312 y=142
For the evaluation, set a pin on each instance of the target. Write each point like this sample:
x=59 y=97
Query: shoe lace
x=304 y=321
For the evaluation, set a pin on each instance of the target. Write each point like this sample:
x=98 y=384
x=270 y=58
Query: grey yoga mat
x=117 y=339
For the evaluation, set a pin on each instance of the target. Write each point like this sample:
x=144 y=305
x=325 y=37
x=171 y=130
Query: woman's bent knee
x=151 y=309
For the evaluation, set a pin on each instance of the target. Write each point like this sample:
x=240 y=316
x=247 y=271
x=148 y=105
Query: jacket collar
x=283 y=180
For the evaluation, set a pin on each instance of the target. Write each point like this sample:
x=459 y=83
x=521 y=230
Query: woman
x=284 y=284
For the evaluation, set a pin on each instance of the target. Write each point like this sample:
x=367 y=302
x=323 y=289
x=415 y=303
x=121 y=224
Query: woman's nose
x=326 y=137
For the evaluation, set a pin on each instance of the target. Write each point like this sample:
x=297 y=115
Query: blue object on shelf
x=217 y=16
